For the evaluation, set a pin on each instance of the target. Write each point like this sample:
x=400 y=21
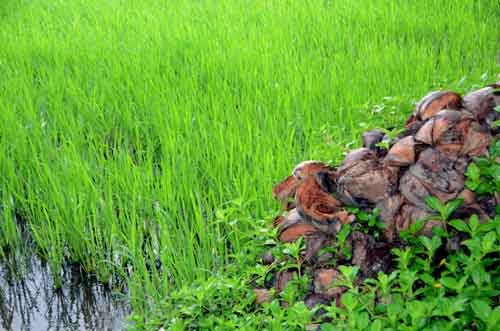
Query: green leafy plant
x=456 y=292
x=339 y=249
x=368 y=222
x=483 y=175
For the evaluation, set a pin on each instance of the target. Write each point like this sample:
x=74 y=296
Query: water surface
x=31 y=302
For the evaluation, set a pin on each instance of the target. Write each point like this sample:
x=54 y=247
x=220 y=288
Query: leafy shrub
x=426 y=291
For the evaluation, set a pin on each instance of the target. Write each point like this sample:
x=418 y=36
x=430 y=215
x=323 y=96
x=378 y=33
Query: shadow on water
x=32 y=303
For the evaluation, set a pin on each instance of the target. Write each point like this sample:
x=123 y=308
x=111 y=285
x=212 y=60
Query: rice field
x=137 y=138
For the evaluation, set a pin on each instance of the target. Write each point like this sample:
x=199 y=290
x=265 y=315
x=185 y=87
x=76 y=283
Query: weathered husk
x=438 y=174
x=424 y=134
x=285 y=189
x=314 y=243
x=369 y=255
x=366 y=182
x=282 y=279
x=316 y=203
x=409 y=214
x=372 y=138
x=482 y=102
x=434 y=102
x=389 y=208
x=402 y=153
x=293 y=227
x=334 y=225
x=413 y=190
x=309 y=168
x=267 y=258
x=324 y=281
x=294 y=232
x=356 y=156
x=468 y=196
x=476 y=141
x=278 y=220
x=428 y=159
x=447 y=131
x=312 y=300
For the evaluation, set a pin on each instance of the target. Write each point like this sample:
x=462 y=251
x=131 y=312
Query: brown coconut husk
x=294 y=226
x=402 y=153
x=434 y=102
x=429 y=158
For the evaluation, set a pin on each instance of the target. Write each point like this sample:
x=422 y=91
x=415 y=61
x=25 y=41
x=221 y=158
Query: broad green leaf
x=488 y=242
x=439 y=232
x=417 y=226
x=352 y=210
x=430 y=244
x=472 y=172
x=362 y=320
x=474 y=223
x=481 y=309
x=392 y=276
x=436 y=242
x=482 y=163
x=349 y=301
x=407 y=278
x=428 y=279
x=434 y=203
x=488 y=226
x=349 y=272
x=449 y=282
x=451 y=206
x=484 y=187
x=474 y=245
x=417 y=309
x=376 y=325
x=458 y=304
x=494 y=319
x=405 y=234
x=343 y=233
x=449 y=306
x=426 y=242
x=479 y=275
x=472 y=184
x=362 y=216
x=299 y=311
x=327 y=327
x=495 y=148
x=395 y=311
x=459 y=225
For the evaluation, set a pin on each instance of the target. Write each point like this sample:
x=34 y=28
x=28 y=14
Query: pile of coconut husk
x=428 y=158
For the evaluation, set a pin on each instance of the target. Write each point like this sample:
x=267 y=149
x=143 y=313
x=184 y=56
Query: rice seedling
x=136 y=136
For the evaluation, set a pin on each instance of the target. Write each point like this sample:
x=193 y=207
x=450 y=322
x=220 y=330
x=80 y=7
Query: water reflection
x=31 y=302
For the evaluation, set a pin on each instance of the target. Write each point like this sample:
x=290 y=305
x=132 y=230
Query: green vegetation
x=426 y=291
x=483 y=176
x=140 y=139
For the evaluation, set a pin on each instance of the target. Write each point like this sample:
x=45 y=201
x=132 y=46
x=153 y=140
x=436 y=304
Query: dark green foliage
x=483 y=175
x=368 y=222
x=458 y=292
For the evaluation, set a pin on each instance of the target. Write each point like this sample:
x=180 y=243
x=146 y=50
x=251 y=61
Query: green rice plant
x=138 y=137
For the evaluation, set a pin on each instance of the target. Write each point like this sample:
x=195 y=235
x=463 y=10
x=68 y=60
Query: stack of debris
x=429 y=158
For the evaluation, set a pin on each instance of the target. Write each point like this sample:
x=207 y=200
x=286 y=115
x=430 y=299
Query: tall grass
x=140 y=132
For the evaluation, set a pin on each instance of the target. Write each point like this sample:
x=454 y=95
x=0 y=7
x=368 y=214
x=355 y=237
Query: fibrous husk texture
x=396 y=176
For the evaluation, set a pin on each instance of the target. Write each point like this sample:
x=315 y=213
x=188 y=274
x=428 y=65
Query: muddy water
x=31 y=302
